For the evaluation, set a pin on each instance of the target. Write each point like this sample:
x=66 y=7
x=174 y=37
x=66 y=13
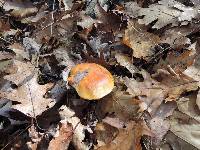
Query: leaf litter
x=151 y=49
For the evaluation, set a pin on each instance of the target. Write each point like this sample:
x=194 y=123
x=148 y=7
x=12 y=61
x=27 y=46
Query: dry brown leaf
x=141 y=41
x=188 y=106
x=126 y=62
x=62 y=29
x=115 y=122
x=61 y=142
x=163 y=13
x=105 y=133
x=128 y=138
x=110 y=21
x=194 y=70
x=19 y=51
x=5 y=66
x=4 y=25
x=24 y=72
x=188 y=132
x=68 y=115
x=86 y=21
x=198 y=99
x=158 y=123
x=159 y=127
x=30 y=97
x=19 y=8
x=177 y=61
x=150 y=92
x=174 y=86
x=177 y=37
x=122 y=104
x=6 y=55
x=177 y=143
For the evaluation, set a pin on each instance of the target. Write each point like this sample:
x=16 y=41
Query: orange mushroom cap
x=91 y=80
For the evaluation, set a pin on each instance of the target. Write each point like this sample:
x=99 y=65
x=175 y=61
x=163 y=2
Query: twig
x=52 y=17
x=16 y=137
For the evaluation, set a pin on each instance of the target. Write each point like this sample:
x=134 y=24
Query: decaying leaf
x=158 y=123
x=128 y=138
x=4 y=25
x=122 y=104
x=6 y=56
x=193 y=70
x=164 y=12
x=157 y=42
x=187 y=132
x=61 y=142
x=188 y=106
x=177 y=61
x=19 y=8
x=150 y=92
x=5 y=65
x=141 y=41
x=86 y=21
x=177 y=143
x=175 y=86
x=63 y=57
x=115 y=122
x=132 y=9
x=62 y=29
x=68 y=115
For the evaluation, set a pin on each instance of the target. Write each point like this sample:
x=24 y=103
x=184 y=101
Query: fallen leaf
x=68 y=115
x=122 y=104
x=64 y=57
x=86 y=21
x=126 y=62
x=128 y=138
x=63 y=139
x=158 y=123
x=174 y=86
x=19 y=8
x=115 y=122
x=141 y=41
x=193 y=70
x=187 y=132
x=6 y=55
x=4 y=25
x=177 y=61
x=132 y=8
x=5 y=65
x=105 y=133
x=24 y=72
x=61 y=29
x=67 y=3
x=164 y=12
x=187 y=105
x=29 y=97
x=150 y=92
x=177 y=143
x=19 y=50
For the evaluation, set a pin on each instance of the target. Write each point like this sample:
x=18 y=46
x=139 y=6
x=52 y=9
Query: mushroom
x=91 y=81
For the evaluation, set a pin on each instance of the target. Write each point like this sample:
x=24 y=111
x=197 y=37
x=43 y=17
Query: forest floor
x=150 y=47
